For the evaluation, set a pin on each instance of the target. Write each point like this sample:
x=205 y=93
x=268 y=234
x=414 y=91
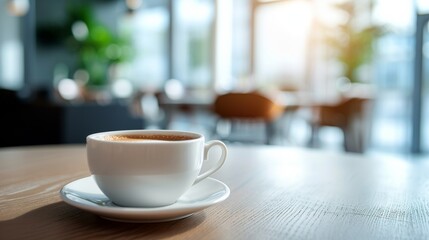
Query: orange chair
x=350 y=116
x=247 y=108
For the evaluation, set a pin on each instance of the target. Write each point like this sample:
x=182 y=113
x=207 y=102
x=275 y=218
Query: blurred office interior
x=70 y=68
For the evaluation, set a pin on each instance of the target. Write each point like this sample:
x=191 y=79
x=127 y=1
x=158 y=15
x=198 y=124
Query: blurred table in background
x=317 y=111
x=192 y=104
x=349 y=110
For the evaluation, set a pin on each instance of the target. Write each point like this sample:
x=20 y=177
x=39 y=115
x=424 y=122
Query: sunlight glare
x=282 y=36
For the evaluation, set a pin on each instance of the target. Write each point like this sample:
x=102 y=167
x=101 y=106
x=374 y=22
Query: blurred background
x=349 y=75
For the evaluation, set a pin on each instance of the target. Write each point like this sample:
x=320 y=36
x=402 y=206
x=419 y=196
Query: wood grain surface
x=276 y=193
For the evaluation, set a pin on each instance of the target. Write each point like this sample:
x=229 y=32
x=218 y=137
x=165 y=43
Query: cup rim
x=97 y=137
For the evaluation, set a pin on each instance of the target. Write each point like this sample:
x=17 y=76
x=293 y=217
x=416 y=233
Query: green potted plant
x=351 y=43
x=97 y=47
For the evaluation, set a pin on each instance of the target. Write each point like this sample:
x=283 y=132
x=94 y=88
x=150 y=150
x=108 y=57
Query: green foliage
x=199 y=47
x=352 y=44
x=100 y=48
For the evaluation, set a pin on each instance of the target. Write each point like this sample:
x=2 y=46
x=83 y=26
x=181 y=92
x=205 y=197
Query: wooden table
x=276 y=193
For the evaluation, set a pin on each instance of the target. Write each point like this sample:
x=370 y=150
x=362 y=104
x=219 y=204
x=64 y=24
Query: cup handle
x=219 y=163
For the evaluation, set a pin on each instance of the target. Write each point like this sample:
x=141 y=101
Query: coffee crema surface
x=159 y=137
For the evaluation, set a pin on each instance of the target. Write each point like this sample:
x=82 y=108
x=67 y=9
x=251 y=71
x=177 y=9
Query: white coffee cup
x=134 y=171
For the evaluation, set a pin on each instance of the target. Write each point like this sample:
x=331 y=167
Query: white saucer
x=85 y=194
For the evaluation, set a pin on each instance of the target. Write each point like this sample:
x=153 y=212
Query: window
x=11 y=51
x=193 y=42
x=281 y=42
x=393 y=75
x=148 y=28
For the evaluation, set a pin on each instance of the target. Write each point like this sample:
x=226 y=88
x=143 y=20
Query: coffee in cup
x=140 y=137
x=149 y=168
